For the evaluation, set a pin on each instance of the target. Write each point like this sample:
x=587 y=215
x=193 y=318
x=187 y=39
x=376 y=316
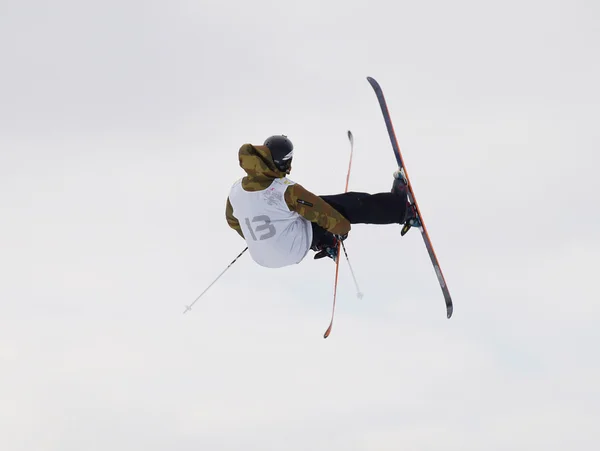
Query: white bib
x=275 y=235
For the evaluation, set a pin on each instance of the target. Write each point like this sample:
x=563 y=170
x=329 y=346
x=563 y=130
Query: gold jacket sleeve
x=315 y=209
x=231 y=220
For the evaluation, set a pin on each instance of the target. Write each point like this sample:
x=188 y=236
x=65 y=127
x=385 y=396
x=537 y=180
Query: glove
x=341 y=237
x=330 y=252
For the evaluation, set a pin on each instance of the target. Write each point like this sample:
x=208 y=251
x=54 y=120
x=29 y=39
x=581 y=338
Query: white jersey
x=275 y=235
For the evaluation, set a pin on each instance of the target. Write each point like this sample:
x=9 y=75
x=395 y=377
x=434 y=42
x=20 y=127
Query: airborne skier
x=281 y=220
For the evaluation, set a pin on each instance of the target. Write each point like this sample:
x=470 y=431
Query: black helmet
x=282 y=151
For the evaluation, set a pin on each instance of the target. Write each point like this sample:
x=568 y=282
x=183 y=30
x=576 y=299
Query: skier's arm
x=315 y=209
x=231 y=220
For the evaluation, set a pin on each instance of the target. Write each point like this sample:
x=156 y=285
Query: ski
x=337 y=260
x=411 y=196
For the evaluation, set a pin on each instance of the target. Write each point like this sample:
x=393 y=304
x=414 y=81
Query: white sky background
x=119 y=129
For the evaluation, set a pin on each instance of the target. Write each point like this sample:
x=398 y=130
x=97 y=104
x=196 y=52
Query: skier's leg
x=363 y=208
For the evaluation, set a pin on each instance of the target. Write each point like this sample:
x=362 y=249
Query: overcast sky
x=120 y=123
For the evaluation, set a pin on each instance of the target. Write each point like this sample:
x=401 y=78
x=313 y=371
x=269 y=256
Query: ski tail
x=335 y=284
x=411 y=195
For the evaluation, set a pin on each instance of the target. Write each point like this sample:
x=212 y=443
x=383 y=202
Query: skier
x=281 y=220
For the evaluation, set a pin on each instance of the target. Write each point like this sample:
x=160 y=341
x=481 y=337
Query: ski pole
x=189 y=307
x=359 y=293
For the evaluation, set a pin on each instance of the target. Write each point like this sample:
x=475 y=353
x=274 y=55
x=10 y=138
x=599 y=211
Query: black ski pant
x=361 y=208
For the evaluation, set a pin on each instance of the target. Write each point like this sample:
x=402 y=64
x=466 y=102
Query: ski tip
x=327 y=332
x=372 y=81
x=449 y=311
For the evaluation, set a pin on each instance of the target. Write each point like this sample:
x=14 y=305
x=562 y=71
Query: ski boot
x=400 y=187
x=411 y=219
